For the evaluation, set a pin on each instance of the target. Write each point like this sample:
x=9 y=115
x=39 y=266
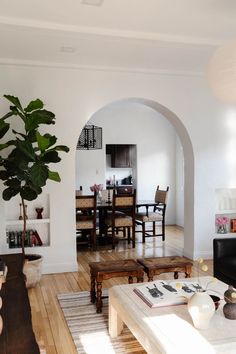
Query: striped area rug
x=89 y=329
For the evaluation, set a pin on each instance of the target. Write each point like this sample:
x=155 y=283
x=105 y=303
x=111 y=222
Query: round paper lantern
x=222 y=72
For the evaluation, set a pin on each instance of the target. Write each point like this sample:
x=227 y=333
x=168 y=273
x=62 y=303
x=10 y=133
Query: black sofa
x=17 y=336
x=224 y=260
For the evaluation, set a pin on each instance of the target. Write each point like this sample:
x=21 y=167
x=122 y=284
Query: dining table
x=104 y=206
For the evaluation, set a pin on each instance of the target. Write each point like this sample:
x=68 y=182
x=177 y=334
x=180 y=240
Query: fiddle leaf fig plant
x=26 y=156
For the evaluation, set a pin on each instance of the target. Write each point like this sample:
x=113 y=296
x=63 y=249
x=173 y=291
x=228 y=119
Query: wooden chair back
x=86 y=206
x=125 y=203
x=161 y=195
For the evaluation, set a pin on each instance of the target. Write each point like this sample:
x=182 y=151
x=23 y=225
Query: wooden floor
x=48 y=321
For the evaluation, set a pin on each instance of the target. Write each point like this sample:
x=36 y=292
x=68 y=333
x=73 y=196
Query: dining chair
x=157 y=215
x=122 y=216
x=86 y=207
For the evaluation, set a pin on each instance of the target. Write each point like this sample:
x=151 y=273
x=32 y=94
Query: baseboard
x=60 y=268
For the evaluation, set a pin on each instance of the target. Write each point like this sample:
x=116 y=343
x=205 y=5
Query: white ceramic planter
x=33 y=270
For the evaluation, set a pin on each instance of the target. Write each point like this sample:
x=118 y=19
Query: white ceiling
x=142 y=35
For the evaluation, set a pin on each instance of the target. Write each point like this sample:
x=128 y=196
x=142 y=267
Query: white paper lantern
x=222 y=72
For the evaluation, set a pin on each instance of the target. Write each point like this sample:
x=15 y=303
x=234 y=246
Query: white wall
x=75 y=95
x=179 y=184
x=133 y=123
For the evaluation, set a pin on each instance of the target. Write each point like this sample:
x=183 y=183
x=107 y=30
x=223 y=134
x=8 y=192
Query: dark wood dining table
x=104 y=206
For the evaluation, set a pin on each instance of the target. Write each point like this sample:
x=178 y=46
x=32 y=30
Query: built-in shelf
x=226 y=207
x=38 y=230
x=28 y=221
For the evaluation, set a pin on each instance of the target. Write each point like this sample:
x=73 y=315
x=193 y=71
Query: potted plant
x=25 y=157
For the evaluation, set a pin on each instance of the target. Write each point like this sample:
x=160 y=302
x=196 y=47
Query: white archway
x=188 y=165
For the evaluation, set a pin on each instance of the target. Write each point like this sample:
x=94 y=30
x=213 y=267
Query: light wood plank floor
x=48 y=321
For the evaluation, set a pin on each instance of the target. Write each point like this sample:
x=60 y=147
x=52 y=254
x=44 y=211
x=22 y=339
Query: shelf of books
x=37 y=226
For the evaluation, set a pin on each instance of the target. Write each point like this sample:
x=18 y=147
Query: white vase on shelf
x=201 y=309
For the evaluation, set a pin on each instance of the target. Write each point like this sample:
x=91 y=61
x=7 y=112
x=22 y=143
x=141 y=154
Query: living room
x=81 y=58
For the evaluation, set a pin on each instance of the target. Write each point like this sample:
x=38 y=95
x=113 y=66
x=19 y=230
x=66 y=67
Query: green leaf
x=7 y=115
x=52 y=138
x=50 y=156
x=38 y=174
x=43 y=142
x=13 y=183
x=16 y=133
x=27 y=149
x=54 y=176
x=4 y=127
x=37 y=189
x=3 y=146
x=4 y=175
x=61 y=148
x=39 y=117
x=28 y=193
x=33 y=105
x=15 y=101
x=8 y=193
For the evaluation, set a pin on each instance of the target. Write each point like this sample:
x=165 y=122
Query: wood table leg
x=130 y=280
x=140 y=279
x=99 y=297
x=188 y=271
x=115 y=325
x=92 y=289
x=176 y=275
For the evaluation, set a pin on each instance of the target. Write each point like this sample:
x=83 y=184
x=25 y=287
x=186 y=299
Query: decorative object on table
x=24 y=169
x=201 y=309
x=90 y=138
x=216 y=300
x=229 y=308
x=233 y=225
x=201 y=306
x=97 y=188
x=39 y=213
x=221 y=224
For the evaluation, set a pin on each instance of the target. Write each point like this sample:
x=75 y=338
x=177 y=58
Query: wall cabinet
x=38 y=230
x=121 y=155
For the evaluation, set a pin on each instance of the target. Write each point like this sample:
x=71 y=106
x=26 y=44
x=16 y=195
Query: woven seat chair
x=86 y=206
x=122 y=216
x=157 y=215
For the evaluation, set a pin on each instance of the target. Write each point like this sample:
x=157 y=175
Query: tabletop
x=169 y=329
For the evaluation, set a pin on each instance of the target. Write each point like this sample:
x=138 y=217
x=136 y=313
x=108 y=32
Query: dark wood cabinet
x=121 y=156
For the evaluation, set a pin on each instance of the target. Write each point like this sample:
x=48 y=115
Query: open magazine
x=163 y=293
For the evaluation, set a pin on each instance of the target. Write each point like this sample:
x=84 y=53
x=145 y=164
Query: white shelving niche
x=14 y=226
x=225 y=206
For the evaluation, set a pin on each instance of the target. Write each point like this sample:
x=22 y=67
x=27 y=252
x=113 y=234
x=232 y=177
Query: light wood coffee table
x=170 y=329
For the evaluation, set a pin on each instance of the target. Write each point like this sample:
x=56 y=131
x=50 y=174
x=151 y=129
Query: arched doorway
x=183 y=135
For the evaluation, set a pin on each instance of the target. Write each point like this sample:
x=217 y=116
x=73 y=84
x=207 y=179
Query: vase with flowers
x=97 y=188
x=221 y=224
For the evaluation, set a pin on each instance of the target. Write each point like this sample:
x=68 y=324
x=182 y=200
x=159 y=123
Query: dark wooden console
x=17 y=336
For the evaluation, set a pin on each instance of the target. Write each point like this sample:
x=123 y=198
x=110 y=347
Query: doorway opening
x=159 y=136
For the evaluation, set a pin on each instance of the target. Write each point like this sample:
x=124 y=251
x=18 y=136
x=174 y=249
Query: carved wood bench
x=100 y=271
x=159 y=265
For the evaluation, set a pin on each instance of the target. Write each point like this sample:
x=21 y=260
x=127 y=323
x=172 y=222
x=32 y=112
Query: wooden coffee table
x=170 y=329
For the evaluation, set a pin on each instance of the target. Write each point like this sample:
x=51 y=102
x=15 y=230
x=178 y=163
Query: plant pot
x=32 y=269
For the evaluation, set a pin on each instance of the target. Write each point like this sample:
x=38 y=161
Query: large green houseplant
x=26 y=154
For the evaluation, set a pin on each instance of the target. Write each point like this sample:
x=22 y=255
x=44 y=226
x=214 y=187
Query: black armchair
x=224 y=260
